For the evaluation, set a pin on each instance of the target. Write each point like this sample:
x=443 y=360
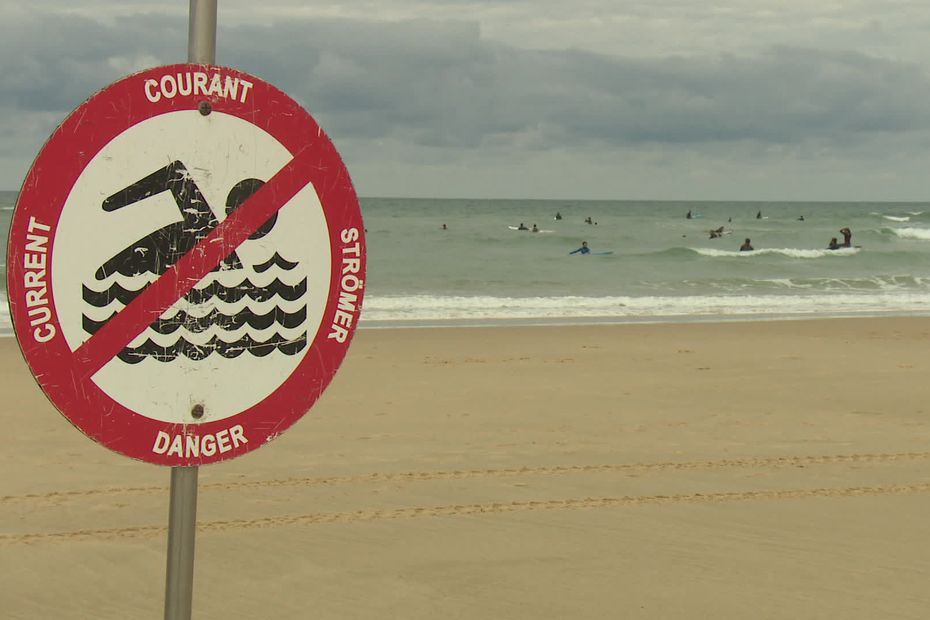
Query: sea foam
x=922 y=234
x=428 y=308
x=790 y=252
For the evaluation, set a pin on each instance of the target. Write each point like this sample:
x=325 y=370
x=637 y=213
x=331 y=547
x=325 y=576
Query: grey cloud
x=54 y=61
x=782 y=96
x=440 y=84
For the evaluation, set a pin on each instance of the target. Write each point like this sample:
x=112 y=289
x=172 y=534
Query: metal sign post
x=182 y=525
x=201 y=34
x=182 y=509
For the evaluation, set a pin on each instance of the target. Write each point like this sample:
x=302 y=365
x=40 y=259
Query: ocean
x=648 y=261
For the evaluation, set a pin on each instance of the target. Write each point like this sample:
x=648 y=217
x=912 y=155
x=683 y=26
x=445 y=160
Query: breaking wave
x=922 y=234
x=432 y=309
x=789 y=252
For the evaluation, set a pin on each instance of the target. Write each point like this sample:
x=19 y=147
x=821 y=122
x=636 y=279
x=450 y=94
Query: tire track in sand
x=415 y=476
x=459 y=510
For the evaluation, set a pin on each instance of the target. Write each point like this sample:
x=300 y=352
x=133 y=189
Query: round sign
x=186 y=264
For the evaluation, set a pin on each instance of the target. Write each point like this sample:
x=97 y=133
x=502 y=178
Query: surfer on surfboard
x=584 y=249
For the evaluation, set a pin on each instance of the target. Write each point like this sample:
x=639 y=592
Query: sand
x=734 y=470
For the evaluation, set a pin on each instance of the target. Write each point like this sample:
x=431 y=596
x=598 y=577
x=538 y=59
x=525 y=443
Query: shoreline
x=402 y=324
x=639 y=320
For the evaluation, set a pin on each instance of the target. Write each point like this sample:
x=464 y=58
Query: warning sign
x=186 y=264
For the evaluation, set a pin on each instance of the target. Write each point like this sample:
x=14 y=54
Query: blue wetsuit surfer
x=584 y=249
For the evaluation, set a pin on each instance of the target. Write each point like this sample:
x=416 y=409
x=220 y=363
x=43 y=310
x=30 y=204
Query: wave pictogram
x=182 y=322
x=275 y=261
x=229 y=350
x=228 y=294
x=215 y=318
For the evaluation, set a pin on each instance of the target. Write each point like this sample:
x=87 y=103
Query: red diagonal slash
x=181 y=277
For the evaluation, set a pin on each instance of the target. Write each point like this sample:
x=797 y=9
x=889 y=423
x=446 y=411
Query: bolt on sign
x=186 y=264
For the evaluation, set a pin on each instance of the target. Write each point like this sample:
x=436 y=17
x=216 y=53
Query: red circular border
x=56 y=169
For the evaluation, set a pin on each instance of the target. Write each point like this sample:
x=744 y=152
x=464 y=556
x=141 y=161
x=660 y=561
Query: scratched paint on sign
x=186 y=264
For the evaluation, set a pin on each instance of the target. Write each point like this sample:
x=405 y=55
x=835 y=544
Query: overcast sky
x=603 y=99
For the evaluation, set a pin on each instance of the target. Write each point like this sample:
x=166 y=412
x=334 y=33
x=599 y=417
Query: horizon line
x=682 y=200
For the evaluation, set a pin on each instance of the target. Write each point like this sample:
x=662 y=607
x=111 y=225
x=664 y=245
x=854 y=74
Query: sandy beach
x=705 y=470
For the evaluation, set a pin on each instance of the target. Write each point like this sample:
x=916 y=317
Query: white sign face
x=281 y=275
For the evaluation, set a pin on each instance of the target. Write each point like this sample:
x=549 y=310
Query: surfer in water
x=584 y=249
x=688 y=215
x=847 y=237
x=522 y=226
x=759 y=215
x=558 y=215
x=834 y=244
x=746 y=247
